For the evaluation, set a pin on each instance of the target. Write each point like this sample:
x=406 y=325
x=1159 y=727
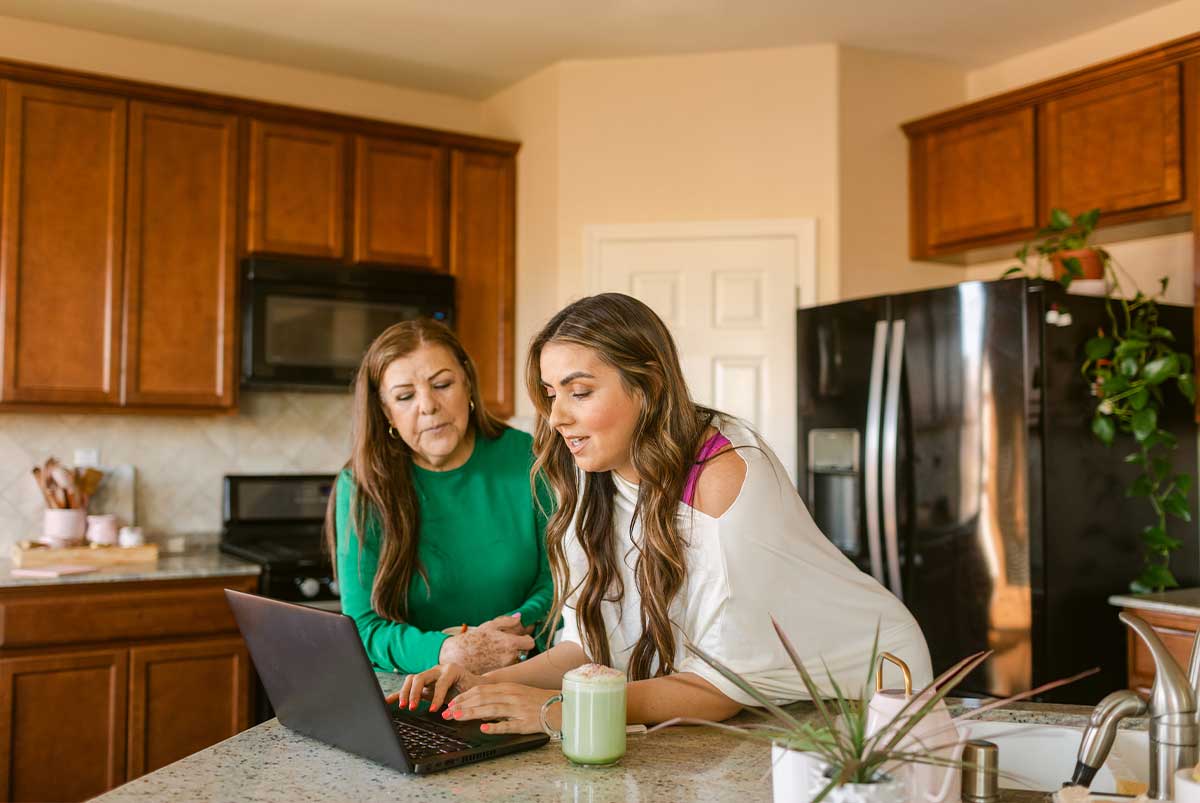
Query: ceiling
x=473 y=48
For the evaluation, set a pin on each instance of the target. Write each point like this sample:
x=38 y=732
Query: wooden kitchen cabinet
x=399 y=202
x=1120 y=136
x=482 y=260
x=103 y=682
x=61 y=244
x=126 y=207
x=973 y=182
x=296 y=200
x=181 y=257
x=1117 y=147
x=209 y=680
x=62 y=724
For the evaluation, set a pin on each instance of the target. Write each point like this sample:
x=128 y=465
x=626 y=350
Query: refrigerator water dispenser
x=835 y=486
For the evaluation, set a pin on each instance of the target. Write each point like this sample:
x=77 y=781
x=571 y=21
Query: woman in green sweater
x=438 y=541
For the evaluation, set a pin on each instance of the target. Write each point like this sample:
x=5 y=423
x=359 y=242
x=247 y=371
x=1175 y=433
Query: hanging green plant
x=1131 y=366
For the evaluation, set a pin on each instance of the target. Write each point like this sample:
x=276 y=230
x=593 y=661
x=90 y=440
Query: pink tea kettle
x=936 y=734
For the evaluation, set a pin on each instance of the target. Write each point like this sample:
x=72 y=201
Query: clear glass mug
x=593 y=715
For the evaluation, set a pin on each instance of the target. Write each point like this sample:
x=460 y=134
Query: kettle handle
x=887 y=656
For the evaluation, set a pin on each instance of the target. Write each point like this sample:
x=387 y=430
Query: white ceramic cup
x=131 y=536
x=63 y=527
x=1187 y=789
x=102 y=529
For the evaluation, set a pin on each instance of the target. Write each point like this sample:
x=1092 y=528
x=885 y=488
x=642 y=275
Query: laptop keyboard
x=421 y=741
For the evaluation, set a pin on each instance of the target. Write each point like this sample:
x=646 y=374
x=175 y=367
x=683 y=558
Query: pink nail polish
x=458 y=714
x=413 y=706
x=484 y=728
x=446 y=714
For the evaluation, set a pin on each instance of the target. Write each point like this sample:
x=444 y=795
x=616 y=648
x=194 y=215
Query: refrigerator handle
x=891 y=434
x=871 y=450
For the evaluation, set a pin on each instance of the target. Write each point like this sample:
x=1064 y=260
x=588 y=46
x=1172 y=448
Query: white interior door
x=728 y=291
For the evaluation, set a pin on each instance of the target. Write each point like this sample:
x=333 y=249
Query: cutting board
x=28 y=557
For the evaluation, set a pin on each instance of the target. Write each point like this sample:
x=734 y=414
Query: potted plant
x=839 y=759
x=1130 y=367
x=1064 y=244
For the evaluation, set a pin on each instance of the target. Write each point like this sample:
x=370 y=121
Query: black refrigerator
x=945 y=447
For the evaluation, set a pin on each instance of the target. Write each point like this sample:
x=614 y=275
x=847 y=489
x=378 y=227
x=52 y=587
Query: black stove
x=276 y=521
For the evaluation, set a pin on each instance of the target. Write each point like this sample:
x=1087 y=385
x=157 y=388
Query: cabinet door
x=1116 y=147
x=482 y=224
x=60 y=252
x=180 y=257
x=399 y=196
x=184 y=697
x=975 y=181
x=297 y=190
x=62 y=725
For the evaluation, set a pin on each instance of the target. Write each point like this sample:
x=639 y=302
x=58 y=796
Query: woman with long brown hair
x=438 y=540
x=674 y=522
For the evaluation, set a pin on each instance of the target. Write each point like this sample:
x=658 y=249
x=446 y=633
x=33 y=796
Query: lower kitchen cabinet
x=62 y=724
x=184 y=697
x=85 y=710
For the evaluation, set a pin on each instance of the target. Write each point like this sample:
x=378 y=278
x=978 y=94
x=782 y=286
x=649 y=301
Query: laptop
x=321 y=684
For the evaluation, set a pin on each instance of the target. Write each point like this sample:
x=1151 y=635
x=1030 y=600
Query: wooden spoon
x=37 y=476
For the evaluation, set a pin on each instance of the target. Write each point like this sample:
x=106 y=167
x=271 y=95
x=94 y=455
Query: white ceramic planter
x=798 y=777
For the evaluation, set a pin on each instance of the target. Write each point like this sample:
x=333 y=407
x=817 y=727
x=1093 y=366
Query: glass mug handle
x=545 y=723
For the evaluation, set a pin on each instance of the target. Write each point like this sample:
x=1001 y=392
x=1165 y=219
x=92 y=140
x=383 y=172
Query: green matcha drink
x=593 y=715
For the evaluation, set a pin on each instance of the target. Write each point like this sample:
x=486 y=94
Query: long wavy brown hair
x=629 y=336
x=382 y=465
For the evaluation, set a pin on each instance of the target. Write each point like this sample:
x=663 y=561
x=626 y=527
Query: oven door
x=307 y=326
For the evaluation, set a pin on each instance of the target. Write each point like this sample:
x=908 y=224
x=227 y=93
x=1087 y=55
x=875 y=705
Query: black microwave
x=306 y=325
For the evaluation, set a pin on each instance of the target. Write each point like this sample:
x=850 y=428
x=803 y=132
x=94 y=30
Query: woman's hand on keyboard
x=436 y=683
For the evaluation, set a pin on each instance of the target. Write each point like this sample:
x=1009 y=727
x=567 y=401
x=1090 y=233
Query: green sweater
x=481 y=542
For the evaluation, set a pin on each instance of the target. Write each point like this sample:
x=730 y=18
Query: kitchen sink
x=1042 y=757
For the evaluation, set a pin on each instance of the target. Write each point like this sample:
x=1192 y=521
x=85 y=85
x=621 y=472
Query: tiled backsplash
x=179 y=460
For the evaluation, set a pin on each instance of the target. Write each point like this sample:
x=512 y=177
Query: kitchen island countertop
x=271 y=764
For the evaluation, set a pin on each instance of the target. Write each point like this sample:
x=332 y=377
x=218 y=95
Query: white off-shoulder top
x=762 y=557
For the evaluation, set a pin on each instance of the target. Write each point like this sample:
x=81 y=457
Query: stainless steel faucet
x=1174 y=733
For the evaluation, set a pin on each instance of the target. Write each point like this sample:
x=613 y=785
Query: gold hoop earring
x=393 y=433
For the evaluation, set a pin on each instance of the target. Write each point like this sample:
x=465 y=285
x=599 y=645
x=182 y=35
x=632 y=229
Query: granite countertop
x=271 y=764
x=1182 y=601
x=203 y=562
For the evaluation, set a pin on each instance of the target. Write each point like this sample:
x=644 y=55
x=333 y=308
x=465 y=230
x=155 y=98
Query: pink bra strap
x=711 y=446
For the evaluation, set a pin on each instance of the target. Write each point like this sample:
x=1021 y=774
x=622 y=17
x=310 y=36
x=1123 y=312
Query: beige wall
x=529 y=112
x=139 y=60
x=748 y=134
x=1073 y=52
x=739 y=135
x=876 y=93
x=1144 y=258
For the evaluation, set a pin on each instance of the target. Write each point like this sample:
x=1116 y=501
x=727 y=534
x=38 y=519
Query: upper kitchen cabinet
x=973 y=183
x=297 y=198
x=1116 y=147
x=61 y=244
x=482 y=260
x=1119 y=136
x=399 y=202
x=181 y=266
